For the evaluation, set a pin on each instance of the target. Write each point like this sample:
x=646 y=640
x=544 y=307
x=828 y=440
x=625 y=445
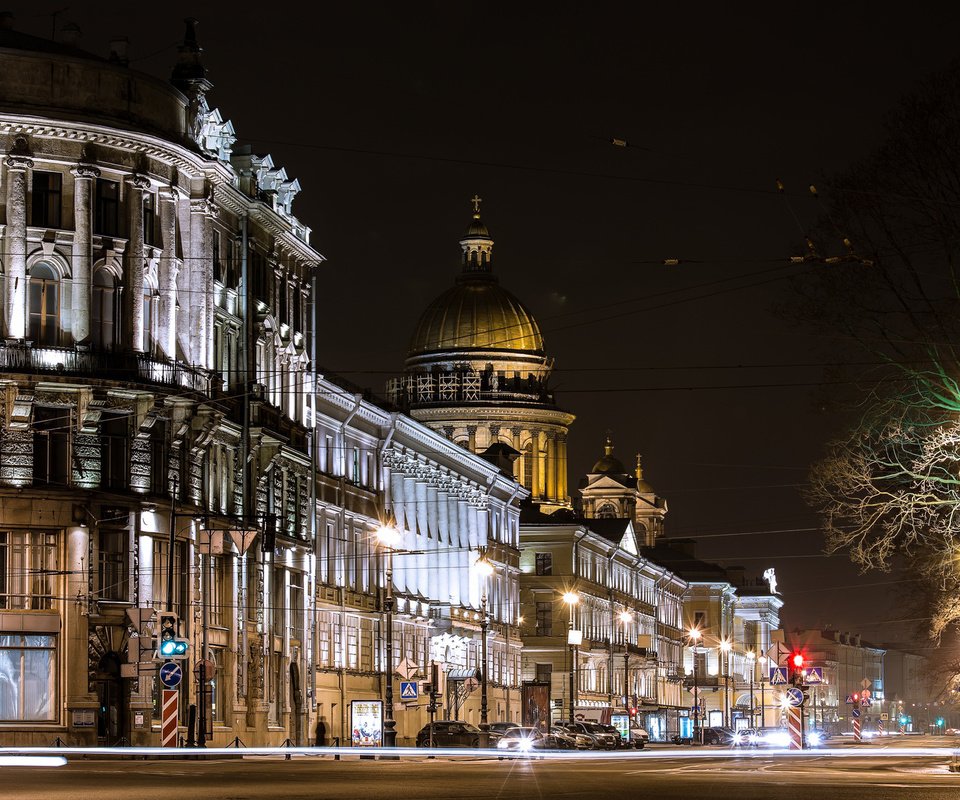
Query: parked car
x=576 y=741
x=453 y=733
x=622 y=743
x=523 y=740
x=718 y=735
x=639 y=737
x=501 y=728
x=601 y=738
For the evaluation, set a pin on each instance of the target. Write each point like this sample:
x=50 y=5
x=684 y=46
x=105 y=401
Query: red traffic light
x=797 y=660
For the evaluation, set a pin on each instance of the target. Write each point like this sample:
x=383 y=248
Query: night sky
x=393 y=115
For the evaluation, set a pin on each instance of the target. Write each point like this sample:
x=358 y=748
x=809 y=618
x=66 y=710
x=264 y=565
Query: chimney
x=6 y=20
x=118 y=50
x=70 y=34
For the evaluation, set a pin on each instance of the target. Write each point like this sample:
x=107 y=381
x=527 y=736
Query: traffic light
x=170 y=644
x=856 y=698
x=797 y=660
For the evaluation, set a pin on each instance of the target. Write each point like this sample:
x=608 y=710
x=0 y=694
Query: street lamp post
x=389 y=537
x=763 y=699
x=626 y=618
x=485 y=569
x=751 y=657
x=695 y=637
x=725 y=649
x=571 y=599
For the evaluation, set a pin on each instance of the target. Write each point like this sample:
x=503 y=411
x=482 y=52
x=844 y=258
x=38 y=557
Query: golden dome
x=476 y=314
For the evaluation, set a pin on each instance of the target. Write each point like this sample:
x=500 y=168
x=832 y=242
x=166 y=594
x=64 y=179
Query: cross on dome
x=476 y=200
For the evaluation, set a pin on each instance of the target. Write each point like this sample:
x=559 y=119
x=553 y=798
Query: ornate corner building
x=476 y=371
x=154 y=332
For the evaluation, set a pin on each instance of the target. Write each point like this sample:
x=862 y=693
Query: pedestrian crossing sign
x=409 y=690
x=778 y=676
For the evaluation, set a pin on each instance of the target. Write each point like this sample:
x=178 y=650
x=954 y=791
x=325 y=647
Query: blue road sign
x=778 y=676
x=814 y=675
x=795 y=696
x=856 y=712
x=409 y=690
x=171 y=674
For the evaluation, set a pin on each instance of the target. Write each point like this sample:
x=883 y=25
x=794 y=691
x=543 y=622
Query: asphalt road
x=667 y=774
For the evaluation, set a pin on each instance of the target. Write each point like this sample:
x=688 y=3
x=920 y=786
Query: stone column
x=472 y=438
x=83 y=177
x=168 y=272
x=133 y=296
x=551 y=466
x=517 y=466
x=561 y=466
x=16 y=239
x=200 y=270
x=535 y=487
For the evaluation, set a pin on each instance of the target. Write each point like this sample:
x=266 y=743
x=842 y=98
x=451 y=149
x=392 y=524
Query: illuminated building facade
x=476 y=371
x=449 y=506
x=154 y=284
x=627 y=609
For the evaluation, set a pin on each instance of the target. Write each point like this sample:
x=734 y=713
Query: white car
x=639 y=737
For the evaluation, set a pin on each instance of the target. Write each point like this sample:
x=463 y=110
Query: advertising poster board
x=622 y=723
x=536 y=705
x=366 y=723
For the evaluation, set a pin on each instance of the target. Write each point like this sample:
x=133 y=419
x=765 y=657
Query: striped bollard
x=169 y=717
x=857 y=736
x=795 y=727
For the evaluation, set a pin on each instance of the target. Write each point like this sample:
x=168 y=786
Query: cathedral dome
x=476 y=314
x=608 y=464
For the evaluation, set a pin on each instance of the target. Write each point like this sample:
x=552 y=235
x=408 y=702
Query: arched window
x=103 y=311
x=607 y=511
x=44 y=305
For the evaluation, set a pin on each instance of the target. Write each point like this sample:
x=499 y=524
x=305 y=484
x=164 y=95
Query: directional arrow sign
x=794 y=696
x=778 y=676
x=856 y=713
x=171 y=674
x=409 y=690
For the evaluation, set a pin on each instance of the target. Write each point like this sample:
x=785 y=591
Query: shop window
x=28 y=678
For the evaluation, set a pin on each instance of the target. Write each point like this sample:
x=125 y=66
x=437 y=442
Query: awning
x=463 y=674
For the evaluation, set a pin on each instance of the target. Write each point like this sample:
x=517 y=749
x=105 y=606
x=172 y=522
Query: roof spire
x=477 y=245
x=608 y=447
x=639 y=470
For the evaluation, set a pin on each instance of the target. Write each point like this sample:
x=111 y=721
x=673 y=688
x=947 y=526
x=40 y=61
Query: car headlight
x=503 y=744
x=815 y=739
x=525 y=744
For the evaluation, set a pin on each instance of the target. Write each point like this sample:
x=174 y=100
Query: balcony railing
x=103 y=364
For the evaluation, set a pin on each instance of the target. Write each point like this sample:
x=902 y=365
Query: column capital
x=171 y=193
x=85 y=171
x=18 y=163
x=138 y=181
x=203 y=205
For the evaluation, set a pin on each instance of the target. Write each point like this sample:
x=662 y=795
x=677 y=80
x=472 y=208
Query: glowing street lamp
x=694 y=635
x=751 y=657
x=573 y=640
x=389 y=539
x=626 y=617
x=725 y=646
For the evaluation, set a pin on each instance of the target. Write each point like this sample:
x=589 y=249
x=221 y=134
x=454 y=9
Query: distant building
x=851 y=666
x=477 y=372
